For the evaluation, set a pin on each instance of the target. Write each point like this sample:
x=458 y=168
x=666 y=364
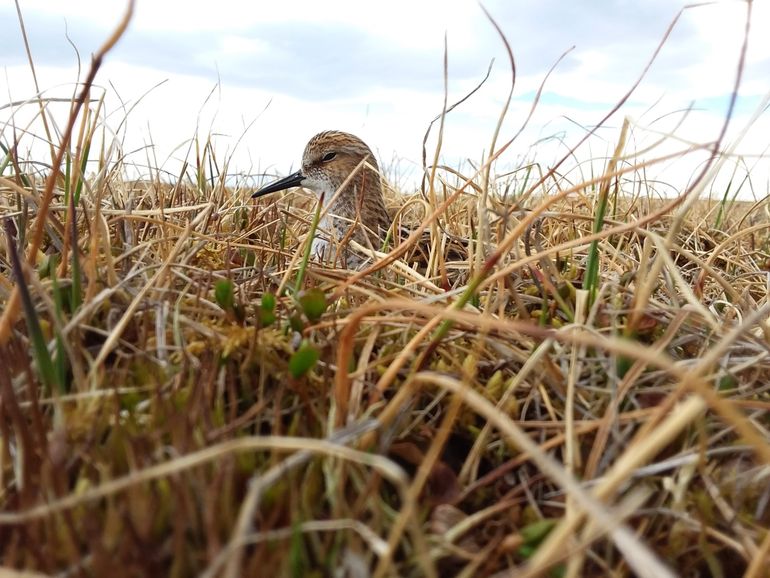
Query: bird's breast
x=319 y=247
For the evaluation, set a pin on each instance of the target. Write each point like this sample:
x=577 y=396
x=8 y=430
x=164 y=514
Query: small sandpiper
x=357 y=211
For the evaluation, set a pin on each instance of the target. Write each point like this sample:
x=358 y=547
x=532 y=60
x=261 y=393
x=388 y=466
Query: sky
x=263 y=77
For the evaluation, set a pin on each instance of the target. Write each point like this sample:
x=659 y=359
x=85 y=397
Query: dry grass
x=586 y=394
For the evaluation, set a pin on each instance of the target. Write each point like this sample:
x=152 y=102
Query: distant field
x=563 y=379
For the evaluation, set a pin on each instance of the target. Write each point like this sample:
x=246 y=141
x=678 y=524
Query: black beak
x=293 y=180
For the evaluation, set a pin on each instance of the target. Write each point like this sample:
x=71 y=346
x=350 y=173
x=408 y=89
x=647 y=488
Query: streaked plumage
x=358 y=211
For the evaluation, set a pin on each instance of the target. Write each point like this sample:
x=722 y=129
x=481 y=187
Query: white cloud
x=379 y=75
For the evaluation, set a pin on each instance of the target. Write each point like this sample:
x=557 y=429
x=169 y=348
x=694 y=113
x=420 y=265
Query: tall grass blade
x=591 y=283
x=308 y=246
x=39 y=347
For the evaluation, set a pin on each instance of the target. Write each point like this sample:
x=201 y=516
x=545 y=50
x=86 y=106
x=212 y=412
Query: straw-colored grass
x=572 y=380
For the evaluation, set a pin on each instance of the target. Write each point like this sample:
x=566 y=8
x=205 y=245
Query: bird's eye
x=328 y=157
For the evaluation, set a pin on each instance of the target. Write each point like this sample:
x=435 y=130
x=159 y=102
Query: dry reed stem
x=556 y=393
x=639 y=557
x=383 y=465
x=116 y=332
x=11 y=310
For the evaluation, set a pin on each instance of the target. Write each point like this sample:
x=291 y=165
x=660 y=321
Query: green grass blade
x=67 y=177
x=83 y=163
x=39 y=346
x=308 y=246
x=77 y=293
x=60 y=361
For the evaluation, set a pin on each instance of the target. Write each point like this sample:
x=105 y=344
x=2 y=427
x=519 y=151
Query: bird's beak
x=293 y=180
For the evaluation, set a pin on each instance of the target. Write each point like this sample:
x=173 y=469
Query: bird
x=354 y=211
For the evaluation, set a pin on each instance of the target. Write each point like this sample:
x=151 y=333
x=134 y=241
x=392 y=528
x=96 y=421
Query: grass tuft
x=558 y=372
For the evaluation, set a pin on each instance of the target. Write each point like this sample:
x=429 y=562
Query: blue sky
x=288 y=70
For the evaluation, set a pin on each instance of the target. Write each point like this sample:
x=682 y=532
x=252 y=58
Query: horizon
x=262 y=85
